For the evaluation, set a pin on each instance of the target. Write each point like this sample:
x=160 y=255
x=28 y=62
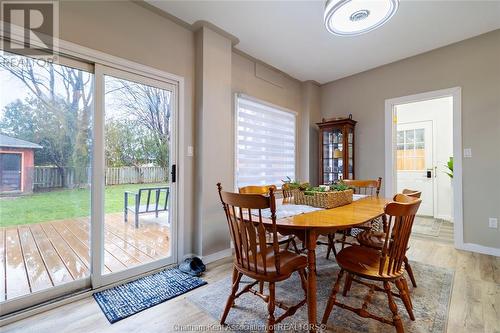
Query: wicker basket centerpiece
x=324 y=197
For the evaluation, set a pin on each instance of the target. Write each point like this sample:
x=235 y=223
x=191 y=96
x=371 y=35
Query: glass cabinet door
x=350 y=153
x=333 y=161
x=336 y=150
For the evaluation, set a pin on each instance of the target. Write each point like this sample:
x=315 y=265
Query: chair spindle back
x=369 y=187
x=401 y=213
x=244 y=218
x=287 y=193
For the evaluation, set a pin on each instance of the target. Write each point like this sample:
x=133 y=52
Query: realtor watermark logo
x=30 y=28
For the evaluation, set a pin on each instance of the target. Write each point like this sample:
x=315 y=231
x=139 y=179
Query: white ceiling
x=290 y=35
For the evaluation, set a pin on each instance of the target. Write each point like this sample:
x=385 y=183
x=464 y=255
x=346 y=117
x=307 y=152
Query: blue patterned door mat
x=130 y=298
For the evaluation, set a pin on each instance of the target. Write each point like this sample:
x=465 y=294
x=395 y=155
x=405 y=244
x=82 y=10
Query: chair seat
x=289 y=263
x=371 y=239
x=365 y=262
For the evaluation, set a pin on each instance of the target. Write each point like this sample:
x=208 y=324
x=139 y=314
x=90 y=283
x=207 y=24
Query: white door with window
x=414 y=162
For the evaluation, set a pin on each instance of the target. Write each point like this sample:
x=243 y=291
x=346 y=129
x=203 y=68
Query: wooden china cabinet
x=336 y=150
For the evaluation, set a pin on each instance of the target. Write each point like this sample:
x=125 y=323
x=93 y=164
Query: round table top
x=355 y=213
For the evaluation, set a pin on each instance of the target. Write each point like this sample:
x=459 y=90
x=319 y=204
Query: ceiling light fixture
x=356 y=17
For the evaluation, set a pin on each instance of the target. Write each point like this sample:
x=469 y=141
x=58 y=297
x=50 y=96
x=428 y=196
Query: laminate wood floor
x=474 y=308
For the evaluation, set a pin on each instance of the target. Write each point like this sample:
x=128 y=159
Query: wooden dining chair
x=264 y=190
x=374 y=239
x=287 y=194
x=369 y=187
x=257 y=189
x=254 y=257
x=386 y=266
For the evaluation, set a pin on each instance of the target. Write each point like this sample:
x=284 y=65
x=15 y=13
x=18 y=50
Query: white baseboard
x=217 y=255
x=492 y=251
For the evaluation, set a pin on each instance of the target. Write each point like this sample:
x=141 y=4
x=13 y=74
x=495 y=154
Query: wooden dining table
x=309 y=226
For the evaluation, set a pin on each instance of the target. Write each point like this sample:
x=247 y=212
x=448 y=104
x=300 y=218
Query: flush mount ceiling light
x=356 y=17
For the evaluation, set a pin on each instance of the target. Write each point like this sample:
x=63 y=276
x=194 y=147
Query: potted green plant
x=331 y=196
x=449 y=167
x=294 y=184
x=449 y=171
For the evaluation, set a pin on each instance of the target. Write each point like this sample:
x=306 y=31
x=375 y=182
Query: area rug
x=430 y=300
x=130 y=298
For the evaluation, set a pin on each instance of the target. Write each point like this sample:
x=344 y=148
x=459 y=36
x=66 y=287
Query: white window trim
x=235 y=130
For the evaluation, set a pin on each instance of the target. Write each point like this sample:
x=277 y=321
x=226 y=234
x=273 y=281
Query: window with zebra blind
x=265 y=142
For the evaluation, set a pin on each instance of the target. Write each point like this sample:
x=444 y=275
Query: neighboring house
x=17 y=163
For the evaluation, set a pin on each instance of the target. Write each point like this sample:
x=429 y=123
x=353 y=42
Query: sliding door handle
x=173 y=173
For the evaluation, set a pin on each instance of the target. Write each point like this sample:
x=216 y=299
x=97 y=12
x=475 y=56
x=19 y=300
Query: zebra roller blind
x=265 y=143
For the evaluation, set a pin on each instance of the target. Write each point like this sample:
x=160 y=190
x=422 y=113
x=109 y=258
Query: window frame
x=238 y=96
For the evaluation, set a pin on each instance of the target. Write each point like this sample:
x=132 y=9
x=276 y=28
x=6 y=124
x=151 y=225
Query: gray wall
x=311 y=115
x=472 y=64
x=213 y=138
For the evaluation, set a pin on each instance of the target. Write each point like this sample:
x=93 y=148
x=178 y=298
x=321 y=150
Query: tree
x=149 y=110
x=32 y=121
x=19 y=121
x=60 y=103
x=128 y=145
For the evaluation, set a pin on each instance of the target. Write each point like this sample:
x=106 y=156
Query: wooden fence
x=53 y=177
x=133 y=175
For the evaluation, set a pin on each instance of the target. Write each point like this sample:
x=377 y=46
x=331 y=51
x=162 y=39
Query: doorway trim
x=390 y=133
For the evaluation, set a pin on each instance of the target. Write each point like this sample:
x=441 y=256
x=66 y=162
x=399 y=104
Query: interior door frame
x=390 y=121
x=99 y=167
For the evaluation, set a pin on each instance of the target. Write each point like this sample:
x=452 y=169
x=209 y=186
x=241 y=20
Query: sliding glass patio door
x=87 y=177
x=136 y=191
x=45 y=165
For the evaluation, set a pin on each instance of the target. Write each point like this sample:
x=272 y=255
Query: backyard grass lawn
x=61 y=204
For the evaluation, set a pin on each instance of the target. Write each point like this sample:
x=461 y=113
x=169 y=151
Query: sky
x=11 y=89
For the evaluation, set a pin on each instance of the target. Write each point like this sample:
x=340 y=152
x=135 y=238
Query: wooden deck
x=38 y=256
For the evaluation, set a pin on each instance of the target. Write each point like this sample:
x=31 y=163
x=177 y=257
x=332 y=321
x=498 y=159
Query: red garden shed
x=17 y=162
